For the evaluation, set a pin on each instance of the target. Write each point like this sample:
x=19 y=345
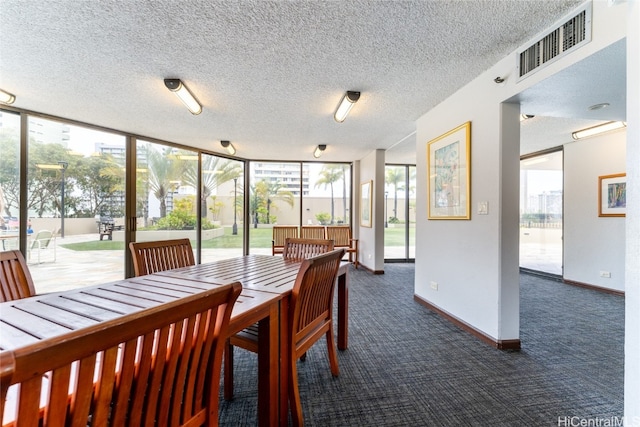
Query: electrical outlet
x=606 y=274
x=483 y=208
x=368 y=256
x=434 y=286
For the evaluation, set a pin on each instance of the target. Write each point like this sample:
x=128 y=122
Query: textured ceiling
x=269 y=74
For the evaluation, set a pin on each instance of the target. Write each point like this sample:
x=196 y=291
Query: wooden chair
x=159 y=366
x=312 y=232
x=15 y=278
x=280 y=234
x=161 y=255
x=300 y=249
x=341 y=236
x=310 y=318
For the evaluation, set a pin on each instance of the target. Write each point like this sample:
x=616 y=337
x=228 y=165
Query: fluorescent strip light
x=319 y=150
x=229 y=146
x=345 y=106
x=176 y=86
x=596 y=130
x=6 y=97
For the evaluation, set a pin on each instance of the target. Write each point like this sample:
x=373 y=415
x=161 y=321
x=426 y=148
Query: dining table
x=267 y=282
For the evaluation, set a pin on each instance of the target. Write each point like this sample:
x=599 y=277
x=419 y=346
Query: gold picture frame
x=366 y=190
x=612 y=195
x=449 y=167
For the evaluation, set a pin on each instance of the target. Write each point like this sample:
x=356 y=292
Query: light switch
x=483 y=208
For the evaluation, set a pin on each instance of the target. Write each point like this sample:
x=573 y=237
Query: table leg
x=268 y=367
x=343 y=308
x=285 y=356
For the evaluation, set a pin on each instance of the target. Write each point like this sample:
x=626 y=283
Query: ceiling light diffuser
x=345 y=106
x=176 y=86
x=596 y=130
x=6 y=97
x=229 y=147
x=319 y=150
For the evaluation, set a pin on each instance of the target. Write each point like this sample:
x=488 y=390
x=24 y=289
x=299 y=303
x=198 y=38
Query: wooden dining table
x=267 y=282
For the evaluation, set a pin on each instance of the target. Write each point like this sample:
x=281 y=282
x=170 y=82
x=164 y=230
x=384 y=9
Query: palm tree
x=275 y=190
x=215 y=171
x=162 y=171
x=395 y=177
x=328 y=175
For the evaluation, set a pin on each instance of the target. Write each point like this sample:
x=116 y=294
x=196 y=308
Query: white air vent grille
x=575 y=32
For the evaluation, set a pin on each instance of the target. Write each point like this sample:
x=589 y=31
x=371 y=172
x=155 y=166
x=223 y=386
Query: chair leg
x=228 y=371
x=295 y=405
x=333 y=354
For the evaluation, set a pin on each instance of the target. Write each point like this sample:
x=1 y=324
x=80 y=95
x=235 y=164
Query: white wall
x=591 y=243
x=632 y=272
x=371 y=239
x=475 y=262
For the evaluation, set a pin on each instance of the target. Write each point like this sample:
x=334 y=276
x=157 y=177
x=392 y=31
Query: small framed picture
x=612 y=195
x=365 y=203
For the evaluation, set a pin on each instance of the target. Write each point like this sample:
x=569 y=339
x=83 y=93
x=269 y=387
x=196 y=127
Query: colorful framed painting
x=612 y=195
x=449 y=166
x=365 y=203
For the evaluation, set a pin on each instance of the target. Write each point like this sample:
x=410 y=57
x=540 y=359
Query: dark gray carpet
x=406 y=366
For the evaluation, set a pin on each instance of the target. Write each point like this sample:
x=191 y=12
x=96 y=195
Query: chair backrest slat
x=312 y=295
x=313 y=232
x=160 y=366
x=161 y=255
x=15 y=278
x=280 y=234
x=299 y=249
x=341 y=235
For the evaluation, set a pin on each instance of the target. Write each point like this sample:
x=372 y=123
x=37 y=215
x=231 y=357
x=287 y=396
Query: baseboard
x=560 y=279
x=594 y=287
x=364 y=267
x=499 y=344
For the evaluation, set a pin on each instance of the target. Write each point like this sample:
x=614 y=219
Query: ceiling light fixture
x=596 y=130
x=526 y=117
x=345 y=106
x=319 y=150
x=599 y=106
x=229 y=147
x=6 y=97
x=176 y=86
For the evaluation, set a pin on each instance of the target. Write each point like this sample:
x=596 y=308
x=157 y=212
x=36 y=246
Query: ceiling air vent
x=574 y=32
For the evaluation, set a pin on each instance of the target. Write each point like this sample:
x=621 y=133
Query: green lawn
x=259 y=238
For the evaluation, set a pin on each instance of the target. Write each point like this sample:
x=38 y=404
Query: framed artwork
x=449 y=166
x=612 y=195
x=365 y=203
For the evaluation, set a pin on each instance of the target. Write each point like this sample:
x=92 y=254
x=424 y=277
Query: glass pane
x=412 y=212
x=274 y=198
x=9 y=180
x=541 y=213
x=395 y=214
x=328 y=198
x=166 y=191
x=222 y=208
x=75 y=192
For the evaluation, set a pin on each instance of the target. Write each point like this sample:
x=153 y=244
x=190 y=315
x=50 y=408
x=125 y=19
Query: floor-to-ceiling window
x=541 y=187
x=78 y=198
x=274 y=194
x=166 y=192
x=222 y=213
x=75 y=182
x=327 y=197
x=399 y=213
x=9 y=180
